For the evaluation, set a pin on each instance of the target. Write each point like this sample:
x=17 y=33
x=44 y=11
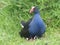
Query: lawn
x=13 y=11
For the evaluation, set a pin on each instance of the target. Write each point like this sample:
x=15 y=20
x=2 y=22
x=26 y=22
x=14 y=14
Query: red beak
x=32 y=10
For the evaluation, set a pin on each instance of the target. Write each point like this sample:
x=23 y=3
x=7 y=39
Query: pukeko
x=34 y=26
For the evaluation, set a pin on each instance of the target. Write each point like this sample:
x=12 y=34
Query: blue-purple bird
x=35 y=26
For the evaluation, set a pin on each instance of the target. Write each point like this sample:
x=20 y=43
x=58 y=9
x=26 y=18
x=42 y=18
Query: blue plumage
x=36 y=26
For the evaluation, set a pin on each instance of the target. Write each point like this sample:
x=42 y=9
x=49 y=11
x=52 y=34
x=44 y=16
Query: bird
x=34 y=27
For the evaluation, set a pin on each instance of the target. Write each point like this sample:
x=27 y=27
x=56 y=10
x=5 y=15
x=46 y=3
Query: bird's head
x=34 y=10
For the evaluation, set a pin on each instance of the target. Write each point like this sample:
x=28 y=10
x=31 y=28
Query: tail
x=23 y=23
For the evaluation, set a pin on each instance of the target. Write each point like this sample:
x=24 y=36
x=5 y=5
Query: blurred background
x=13 y=11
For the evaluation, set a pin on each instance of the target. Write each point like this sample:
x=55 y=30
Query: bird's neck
x=36 y=11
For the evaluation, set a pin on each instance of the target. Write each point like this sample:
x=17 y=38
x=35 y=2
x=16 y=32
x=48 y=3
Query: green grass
x=12 y=12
